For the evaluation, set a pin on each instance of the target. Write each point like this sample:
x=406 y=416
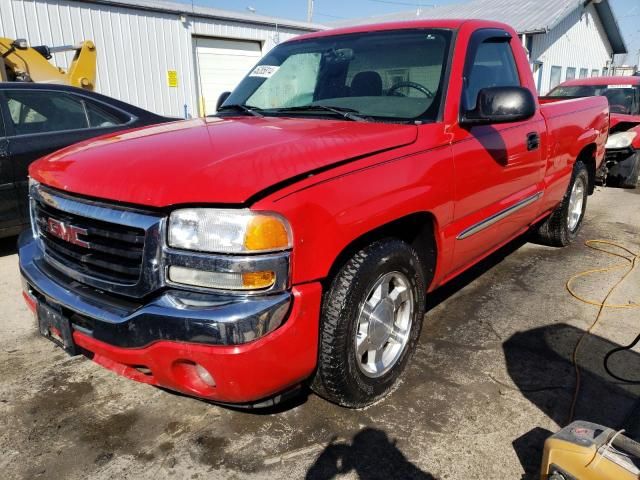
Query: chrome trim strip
x=93 y=209
x=478 y=227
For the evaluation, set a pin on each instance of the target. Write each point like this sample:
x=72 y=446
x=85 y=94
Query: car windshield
x=623 y=99
x=395 y=75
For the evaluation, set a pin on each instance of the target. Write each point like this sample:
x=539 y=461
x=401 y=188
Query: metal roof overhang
x=610 y=25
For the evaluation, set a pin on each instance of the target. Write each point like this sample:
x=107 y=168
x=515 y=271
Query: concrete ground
x=490 y=380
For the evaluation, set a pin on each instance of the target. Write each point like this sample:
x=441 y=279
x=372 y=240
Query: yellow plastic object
x=23 y=63
x=266 y=233
x=256 y=280
x=587 y=451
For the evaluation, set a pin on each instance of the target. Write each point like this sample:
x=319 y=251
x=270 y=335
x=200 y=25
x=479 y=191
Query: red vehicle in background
x=294 y=237
x=622 y=162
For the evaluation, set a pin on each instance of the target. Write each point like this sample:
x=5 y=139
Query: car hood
x=211 y=160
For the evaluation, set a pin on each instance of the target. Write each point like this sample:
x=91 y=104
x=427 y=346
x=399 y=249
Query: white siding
x=135 y=47
x=578 y=41
x=221 y=65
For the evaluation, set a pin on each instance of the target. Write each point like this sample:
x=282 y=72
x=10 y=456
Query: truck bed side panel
x=572 y=126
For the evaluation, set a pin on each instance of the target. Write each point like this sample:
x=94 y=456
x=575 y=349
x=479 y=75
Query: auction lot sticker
x=264 y=71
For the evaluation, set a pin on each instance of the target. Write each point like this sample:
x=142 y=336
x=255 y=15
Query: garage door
x=221 y=65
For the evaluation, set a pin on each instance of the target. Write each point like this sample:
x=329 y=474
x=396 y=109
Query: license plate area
x=55 y=326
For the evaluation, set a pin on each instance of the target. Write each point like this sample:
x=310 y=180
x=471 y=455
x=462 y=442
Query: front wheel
x=564 y=223
x=371 y=320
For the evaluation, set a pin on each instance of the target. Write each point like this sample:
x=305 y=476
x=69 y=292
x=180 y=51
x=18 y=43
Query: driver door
x=498 y=168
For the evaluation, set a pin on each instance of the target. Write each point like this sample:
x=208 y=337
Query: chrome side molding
x=496 y=217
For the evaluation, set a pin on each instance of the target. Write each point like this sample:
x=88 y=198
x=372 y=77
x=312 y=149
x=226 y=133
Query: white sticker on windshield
x=611 y=87
x=264 y=71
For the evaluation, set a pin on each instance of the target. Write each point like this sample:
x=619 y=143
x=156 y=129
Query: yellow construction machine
x=22 y=63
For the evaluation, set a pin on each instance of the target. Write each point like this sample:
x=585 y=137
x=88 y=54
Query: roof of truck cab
x=450 y=24
x=602 y=81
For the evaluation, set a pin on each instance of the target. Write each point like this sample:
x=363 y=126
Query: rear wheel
x=371 y=320
x=564 y=223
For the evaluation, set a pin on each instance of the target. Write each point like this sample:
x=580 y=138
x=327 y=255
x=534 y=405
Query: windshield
x=622 y=98
x=394 y=75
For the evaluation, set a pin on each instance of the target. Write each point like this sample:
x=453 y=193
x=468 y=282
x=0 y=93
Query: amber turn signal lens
x=258 y=279
x=266 y=233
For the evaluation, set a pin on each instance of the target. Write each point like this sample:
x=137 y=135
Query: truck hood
x=211 y=160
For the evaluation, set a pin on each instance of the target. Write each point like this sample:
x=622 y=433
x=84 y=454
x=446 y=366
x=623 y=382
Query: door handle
x=533 y=141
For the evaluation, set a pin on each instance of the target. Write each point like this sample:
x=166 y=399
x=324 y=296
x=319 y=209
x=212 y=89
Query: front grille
x=103 y=250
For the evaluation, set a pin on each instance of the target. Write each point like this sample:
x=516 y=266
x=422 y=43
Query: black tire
x=339 y=378
x=555 y=231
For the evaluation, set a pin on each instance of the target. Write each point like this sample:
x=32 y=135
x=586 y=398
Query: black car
x=37 y=119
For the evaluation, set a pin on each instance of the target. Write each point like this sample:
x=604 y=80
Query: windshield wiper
x=347 y=113
x=238 y=107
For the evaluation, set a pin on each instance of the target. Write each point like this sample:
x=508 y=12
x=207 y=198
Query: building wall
x=578 y=41
x=135 y=47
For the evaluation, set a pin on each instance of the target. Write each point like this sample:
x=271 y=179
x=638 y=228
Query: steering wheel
x=417 y=86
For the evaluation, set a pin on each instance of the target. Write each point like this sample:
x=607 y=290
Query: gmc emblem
x=68 y=233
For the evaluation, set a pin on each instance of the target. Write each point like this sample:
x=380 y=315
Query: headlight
x=224 y=237
x=620 y=140
x=228 y=231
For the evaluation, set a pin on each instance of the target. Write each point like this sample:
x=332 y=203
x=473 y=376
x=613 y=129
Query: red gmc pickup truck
x=293 y=237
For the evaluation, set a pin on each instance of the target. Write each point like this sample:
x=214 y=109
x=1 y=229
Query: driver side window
x=493 y=66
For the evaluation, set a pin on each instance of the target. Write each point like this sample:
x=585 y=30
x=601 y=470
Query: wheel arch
x=417 y=229
x=588 y=156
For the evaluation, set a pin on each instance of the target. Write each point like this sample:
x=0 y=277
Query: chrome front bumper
x=178 y=315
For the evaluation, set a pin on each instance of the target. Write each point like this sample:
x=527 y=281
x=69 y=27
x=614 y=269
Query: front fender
x=327 y=215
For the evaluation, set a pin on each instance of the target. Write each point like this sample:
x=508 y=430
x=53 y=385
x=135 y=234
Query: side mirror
x=223 y=96
x=501 y=105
